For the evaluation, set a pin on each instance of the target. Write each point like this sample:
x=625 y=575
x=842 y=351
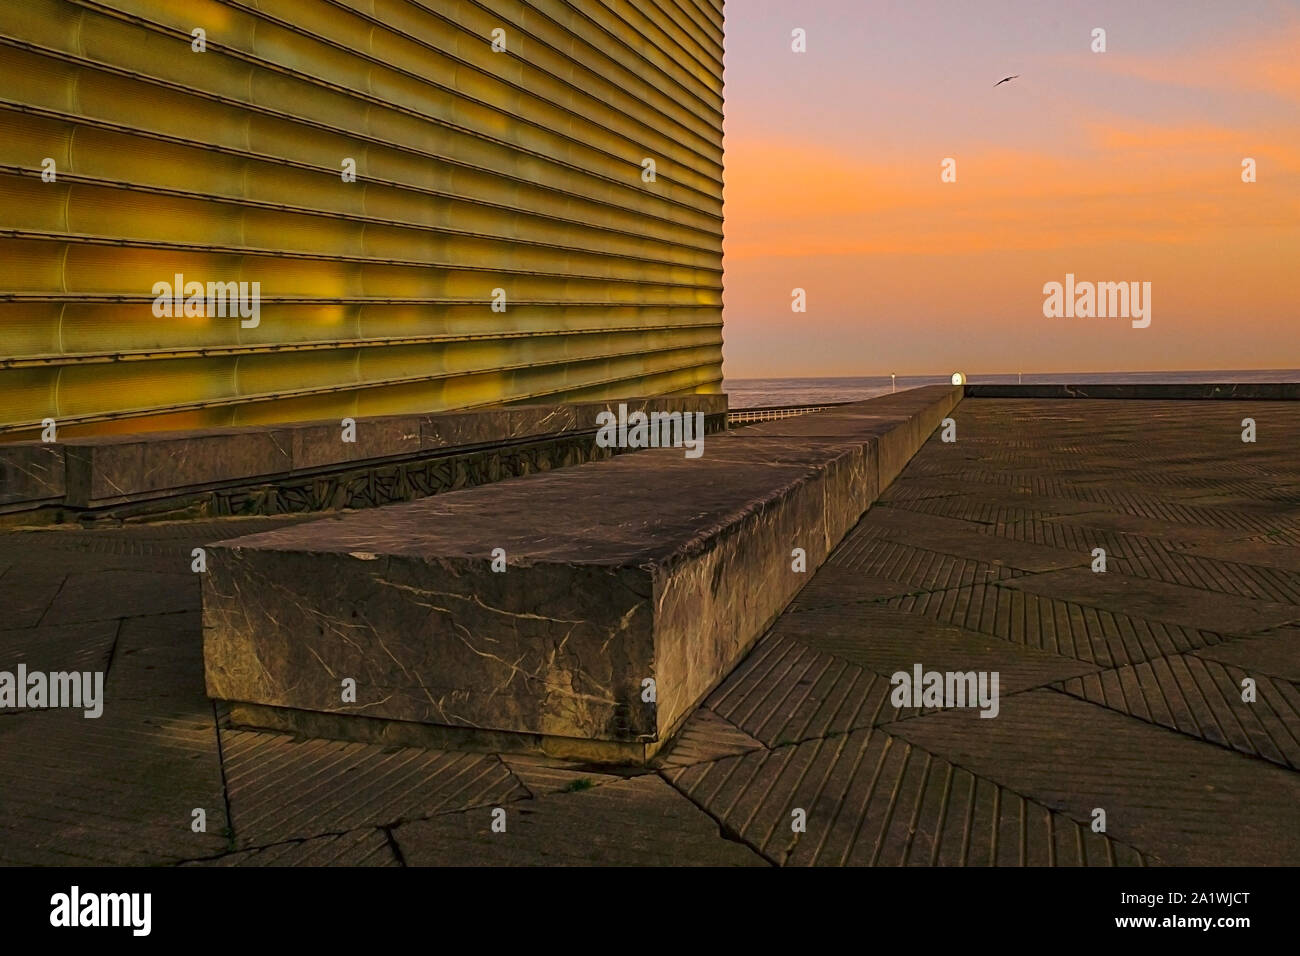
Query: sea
x=765 y=392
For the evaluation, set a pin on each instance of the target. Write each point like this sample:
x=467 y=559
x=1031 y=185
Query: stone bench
x=631 y=587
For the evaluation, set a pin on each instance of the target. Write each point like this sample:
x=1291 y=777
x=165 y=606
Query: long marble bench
x=623 y=590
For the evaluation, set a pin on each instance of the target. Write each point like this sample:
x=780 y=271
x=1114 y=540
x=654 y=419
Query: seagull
x=1007 y=80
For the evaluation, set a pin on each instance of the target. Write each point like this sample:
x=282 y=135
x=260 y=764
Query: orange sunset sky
x=1116 y=166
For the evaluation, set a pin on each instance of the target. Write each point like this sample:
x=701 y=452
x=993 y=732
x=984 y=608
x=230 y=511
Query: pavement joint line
x=389 y=825
x=1144 y=855
x=1224 y=637
x=943 y=815
x=112 y=649
x=1151 y=723
x=394 y=847
x=724 y=831
x=6 y=712
x=893 y=802
x=63 y=582
x=291 y=841
x=1066 y=813
x=667 y=750
x=892 y=740
x=855 y=602
x=921 y=712
x=727 y=779
x=921 y=591
x=912 y=511
x=931 y=548
x=798 y=837
x=225 y=785
x=918 y=591
x=853 y=771
x=519 y=781
x=579 y=770
x=138 y=617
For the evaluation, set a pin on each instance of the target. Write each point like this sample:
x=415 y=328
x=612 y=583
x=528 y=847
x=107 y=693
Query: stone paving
x=1119 y=691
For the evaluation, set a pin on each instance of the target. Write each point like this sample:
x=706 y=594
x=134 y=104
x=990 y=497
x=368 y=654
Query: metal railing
x=771 y=413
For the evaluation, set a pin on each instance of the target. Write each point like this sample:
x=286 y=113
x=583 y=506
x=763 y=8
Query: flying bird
x=1007 y=80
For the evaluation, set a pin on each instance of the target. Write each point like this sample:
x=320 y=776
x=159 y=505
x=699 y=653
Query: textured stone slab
x=1259 y=517
x=104 y=470
x=834 y=585
x=705 y=736
x=1079 y=540
x=1177 y=800
x=1261 y=553
x=1093 y=634
x=27 y=591
x=996 y=500
x=1158 y=600
x=884 y=520
x=513 y=422
x=852 y=483
x=636 y=822
x=908 y=487
x=920 y=568
x=1187 y=484
x=113 y=593
x=281 y=788
x=110 y=469
x=1203 y=698
x=962 y=538
x=1175 y=531
x=84 y=646
x=886 y=640
x=541 y=775
x=1212 y=574
x=870 y=799
x=1286 y=538
x=1275 y=653
x=158 y=658
x=901 y=424
x=786 y=692
x=31 y=473
x=646 y=566
x=119 y=789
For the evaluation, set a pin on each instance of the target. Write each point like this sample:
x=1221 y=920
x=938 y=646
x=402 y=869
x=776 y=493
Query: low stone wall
x=1235 y=391
x=277 y=469
x=625 y=590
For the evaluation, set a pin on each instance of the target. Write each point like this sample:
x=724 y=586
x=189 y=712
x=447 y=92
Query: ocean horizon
x=763 y=392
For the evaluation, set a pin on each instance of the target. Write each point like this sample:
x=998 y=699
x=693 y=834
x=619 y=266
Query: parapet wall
x=310 y=466
x=1207 y=391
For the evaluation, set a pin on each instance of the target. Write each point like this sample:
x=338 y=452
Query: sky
x=1122 y=166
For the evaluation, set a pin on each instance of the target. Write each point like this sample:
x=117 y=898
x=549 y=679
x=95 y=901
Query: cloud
x=1158 y=185
x=1257 y=63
